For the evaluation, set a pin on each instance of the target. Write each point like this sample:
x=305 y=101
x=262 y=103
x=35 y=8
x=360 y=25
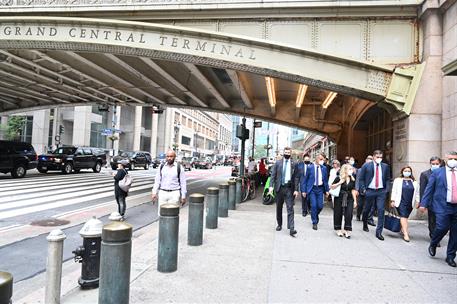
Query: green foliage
x=260 y=152
x=14 y=127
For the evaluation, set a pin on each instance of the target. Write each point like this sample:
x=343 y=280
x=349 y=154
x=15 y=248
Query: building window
x=184 y=121
x=185 y=140
x=177 y=116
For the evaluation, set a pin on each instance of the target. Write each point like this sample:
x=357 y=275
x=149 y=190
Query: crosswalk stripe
x=31 y=209
x=32 y=183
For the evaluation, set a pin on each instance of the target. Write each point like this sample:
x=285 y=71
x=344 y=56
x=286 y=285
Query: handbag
x=392 y=220
x=335 y=192
x=126 y=182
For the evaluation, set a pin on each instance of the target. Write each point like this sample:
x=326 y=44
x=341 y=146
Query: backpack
x=126 y=182
x=179 y=172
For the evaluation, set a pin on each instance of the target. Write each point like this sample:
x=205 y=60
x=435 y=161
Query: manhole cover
x=50 y=222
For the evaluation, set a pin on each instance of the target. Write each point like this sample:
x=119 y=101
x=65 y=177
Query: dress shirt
x=373 y=181
x=168 y=180
x=287 y=174
x=319 y=181
x=449 y=183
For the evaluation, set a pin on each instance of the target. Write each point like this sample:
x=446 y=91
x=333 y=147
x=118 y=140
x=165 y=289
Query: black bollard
x=195 y=220
x=212 y=206
x=223 y=200
x=116 y=253
x=6 y=287
x=231 y=194
x=167 y=260
x=238 y=191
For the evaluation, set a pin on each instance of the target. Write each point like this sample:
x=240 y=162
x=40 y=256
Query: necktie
x=376 y=179
x=317 y=175
x=454 y=186
x=284 y=170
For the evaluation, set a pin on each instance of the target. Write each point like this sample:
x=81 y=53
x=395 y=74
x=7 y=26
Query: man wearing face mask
x=283 y=182
x=435 y=163
x=315 y=184
x=374 y=182
x=441 y=195
x=301 y=170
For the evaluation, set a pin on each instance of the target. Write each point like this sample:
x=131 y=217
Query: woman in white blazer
x=405 y=196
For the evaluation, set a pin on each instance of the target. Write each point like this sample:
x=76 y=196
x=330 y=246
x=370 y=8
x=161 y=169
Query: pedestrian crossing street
x=57 y=194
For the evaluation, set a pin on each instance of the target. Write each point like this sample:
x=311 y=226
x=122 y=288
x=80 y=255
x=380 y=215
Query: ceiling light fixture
x=329 y=99
x=271 y=91
x=301 y=95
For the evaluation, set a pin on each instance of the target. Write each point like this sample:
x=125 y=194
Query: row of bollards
x=111 y=260
x=6 y=287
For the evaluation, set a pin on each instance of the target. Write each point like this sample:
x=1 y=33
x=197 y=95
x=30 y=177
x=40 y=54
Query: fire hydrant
x=89 y=253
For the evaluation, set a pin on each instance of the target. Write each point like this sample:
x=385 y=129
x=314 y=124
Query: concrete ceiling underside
x=32 y=79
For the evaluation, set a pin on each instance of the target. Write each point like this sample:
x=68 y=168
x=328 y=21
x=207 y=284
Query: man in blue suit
x=441 y=195
x=313 y=185
x=374 y=182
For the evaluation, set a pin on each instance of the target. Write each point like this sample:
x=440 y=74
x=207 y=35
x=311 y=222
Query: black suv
x=71 y=158
x=135 y=158
x=17 y=158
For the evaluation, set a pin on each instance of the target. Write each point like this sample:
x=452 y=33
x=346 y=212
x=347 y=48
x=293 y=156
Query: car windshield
x=64 y=150
x=127 y=154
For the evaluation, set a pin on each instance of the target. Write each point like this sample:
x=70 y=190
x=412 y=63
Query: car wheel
x=146 y=167
x=19 y=171
x=41 y=170
x=132 y=166
x=97 y=168
x=67 y=168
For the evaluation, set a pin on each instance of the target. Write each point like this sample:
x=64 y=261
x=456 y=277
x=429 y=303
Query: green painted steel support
x=232 y=194
x=212 y=207
x=167 y=260
x=238 y=191
x=116 y=254
x=223 y=200
x=6 y=287
x=195 y=220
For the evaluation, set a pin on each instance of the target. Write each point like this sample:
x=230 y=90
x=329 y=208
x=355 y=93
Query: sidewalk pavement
x=246 y=261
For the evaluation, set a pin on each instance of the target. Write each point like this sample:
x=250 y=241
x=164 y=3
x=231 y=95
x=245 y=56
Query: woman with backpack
x=118 y=192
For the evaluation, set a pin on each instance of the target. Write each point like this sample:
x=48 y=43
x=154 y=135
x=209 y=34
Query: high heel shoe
x=406 y=238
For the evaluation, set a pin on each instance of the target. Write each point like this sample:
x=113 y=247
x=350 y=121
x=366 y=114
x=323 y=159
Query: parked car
x=16 y=158
x=72 y=159
x=135 y=158
x=156 y=162
x=187 y=163
x=203 y=164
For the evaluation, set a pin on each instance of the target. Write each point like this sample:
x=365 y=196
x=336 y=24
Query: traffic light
x=61 y=129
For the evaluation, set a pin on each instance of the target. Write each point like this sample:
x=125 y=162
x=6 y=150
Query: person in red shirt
x=263 y=171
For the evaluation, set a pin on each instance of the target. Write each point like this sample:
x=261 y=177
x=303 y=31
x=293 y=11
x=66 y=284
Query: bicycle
x=248 y=188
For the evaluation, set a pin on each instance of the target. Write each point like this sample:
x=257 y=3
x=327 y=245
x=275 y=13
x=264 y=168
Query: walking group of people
x=367 y=189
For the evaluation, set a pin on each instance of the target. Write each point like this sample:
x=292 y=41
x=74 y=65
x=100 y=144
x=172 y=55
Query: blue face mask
x=434 y=167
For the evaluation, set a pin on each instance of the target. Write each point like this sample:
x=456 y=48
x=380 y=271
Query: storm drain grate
x=49 y=222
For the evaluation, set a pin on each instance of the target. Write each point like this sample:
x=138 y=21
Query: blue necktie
x=317 y=175
x=284 y=171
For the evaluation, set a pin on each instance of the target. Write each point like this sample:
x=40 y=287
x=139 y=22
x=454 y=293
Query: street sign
x=107 y=132
x=257 y=124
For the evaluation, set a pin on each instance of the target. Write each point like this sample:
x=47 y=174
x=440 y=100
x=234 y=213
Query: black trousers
x=431 y=221
x=285 y=195
x=305 y=205
x=339 y=211
x=120 y=200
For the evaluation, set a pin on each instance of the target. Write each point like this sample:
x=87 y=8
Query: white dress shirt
x=288 y=170
x=372 y=185
x=319 y=181
x=449 y=183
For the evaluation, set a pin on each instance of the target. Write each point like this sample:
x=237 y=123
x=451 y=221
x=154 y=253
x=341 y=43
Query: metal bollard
x=115 y=261
x=231 y=194
x=195 y=226
x=6 y=287
x=223 y=200
x=167 y=260
x=238 y=191
x=212 y=206
x=54 y=266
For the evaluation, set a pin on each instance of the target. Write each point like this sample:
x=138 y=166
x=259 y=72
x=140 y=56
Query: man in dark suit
x=361 y=197
x=435 y=163
x=374 y=181
x=315 y=184
x=300 y=171
x=441 y=194
x=283 y=182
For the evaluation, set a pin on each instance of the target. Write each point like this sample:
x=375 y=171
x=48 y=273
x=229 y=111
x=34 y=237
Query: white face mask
x=321 y=162
x=406 y=174
x=434 y=167
x=378 y=160
x=351 y=162
x=452 y=163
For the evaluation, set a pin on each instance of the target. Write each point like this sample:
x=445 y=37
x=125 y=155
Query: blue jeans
x=316 y=197
x=445 y=222
x=375 y=198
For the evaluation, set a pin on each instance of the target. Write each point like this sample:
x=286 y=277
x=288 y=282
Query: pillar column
x=40 y=131
x=137 y=128
x=117 y=125
x=154 y=126
x=81 y=126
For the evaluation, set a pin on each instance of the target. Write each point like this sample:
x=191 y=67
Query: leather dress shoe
x=371 y=223
x=432 y=250
x=278 y=228
x=380 y=237
x=358 y=218
x=451 y=262
x=293 y=232
x=365 y=228
x=314 y=226
x=304 y=214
